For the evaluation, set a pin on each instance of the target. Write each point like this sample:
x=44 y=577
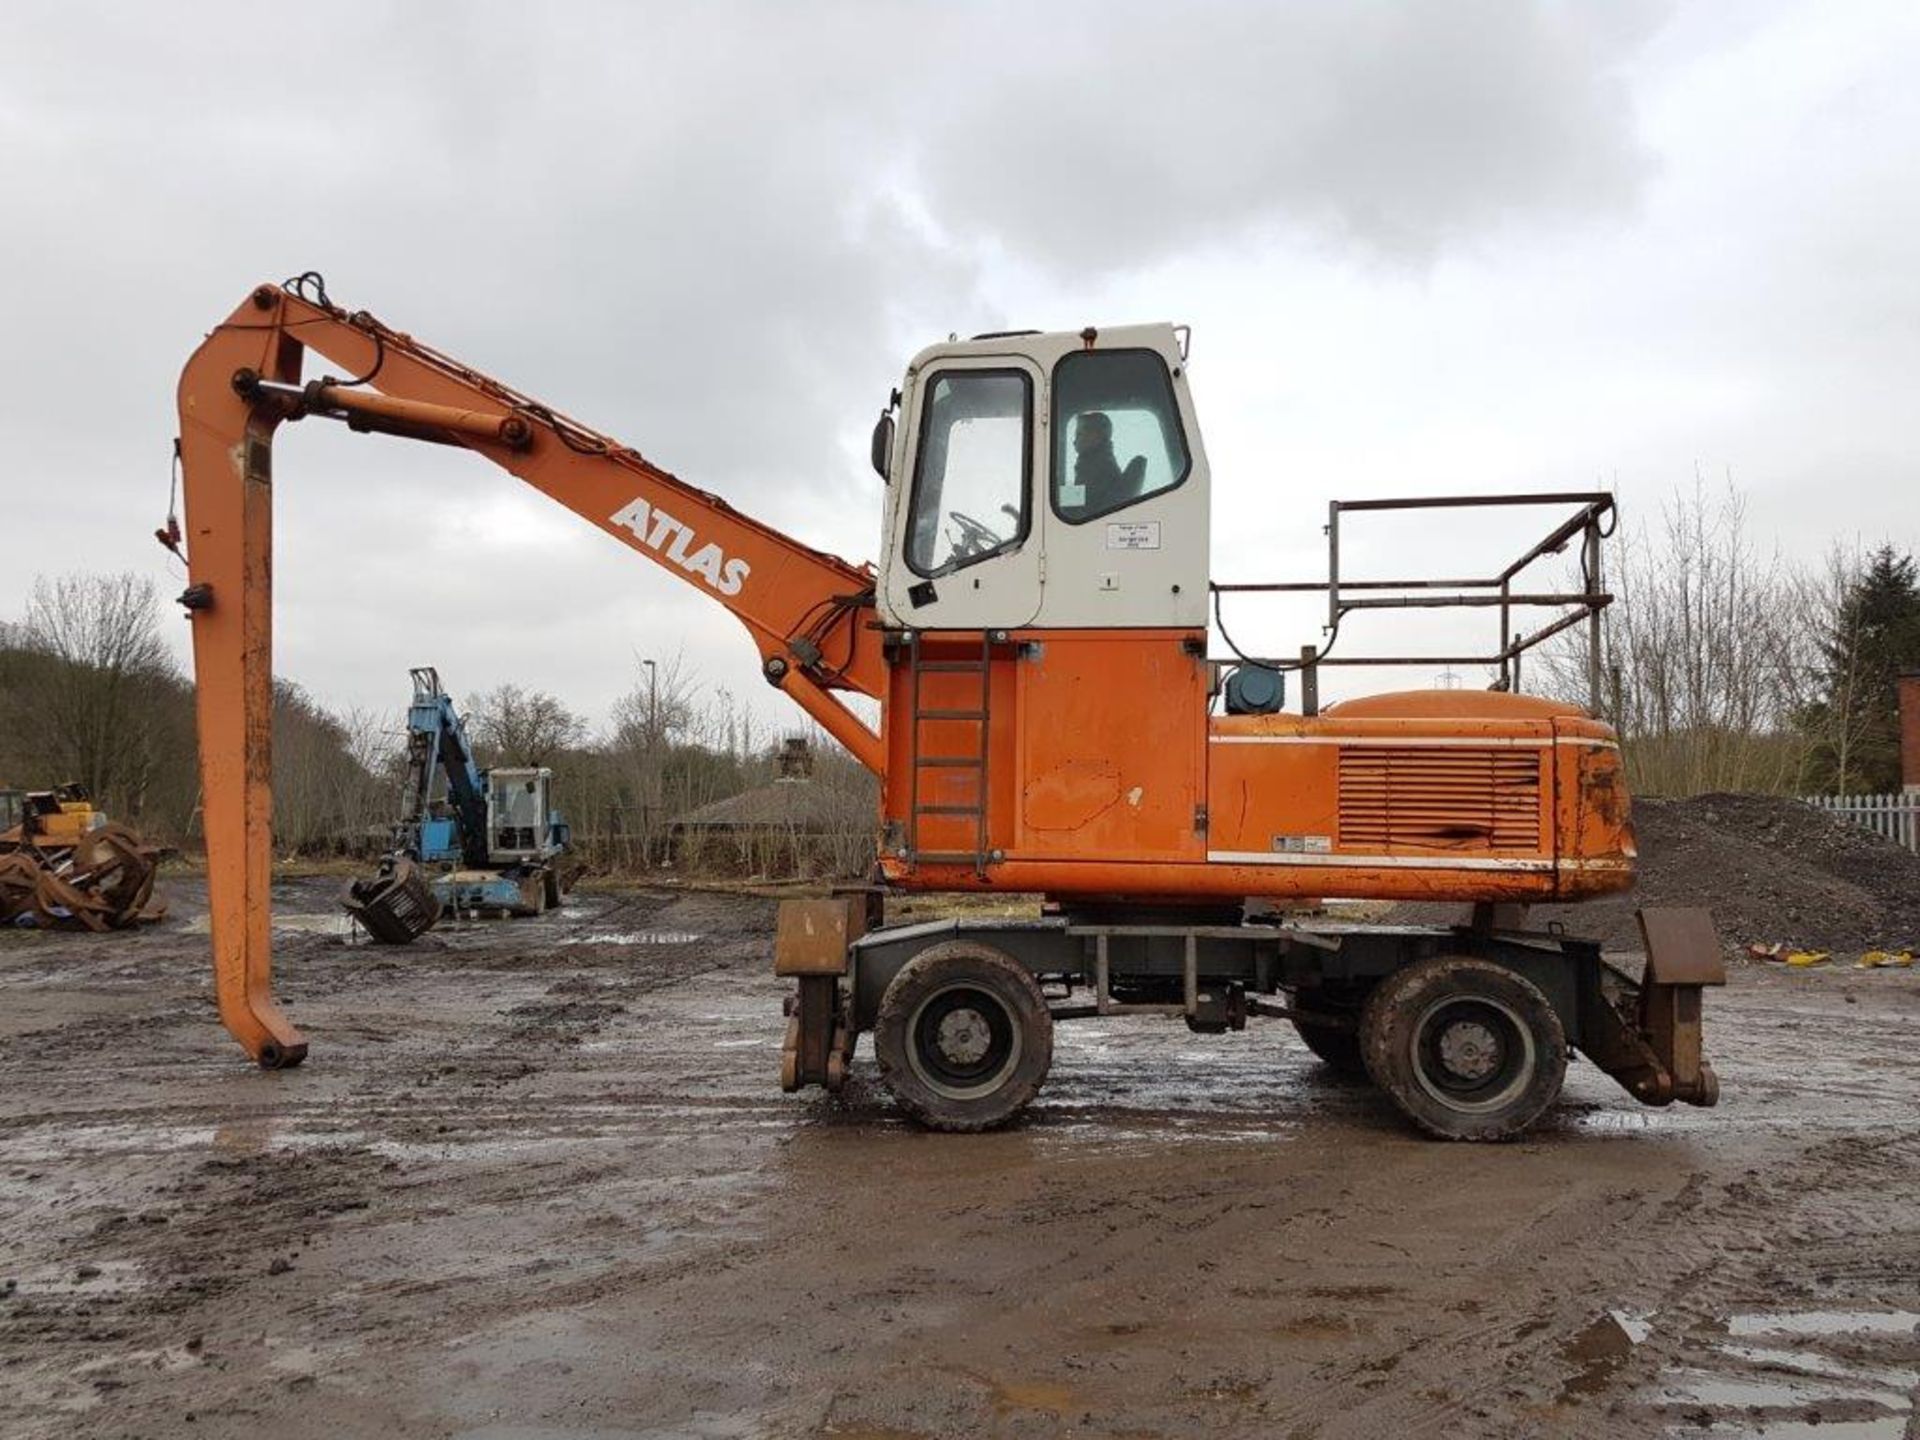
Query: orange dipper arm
x=808 y=612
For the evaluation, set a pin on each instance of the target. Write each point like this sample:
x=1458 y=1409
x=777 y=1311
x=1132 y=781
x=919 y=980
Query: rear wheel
x=963 y=1037
x=1468 y=1049
x=1329 y=1026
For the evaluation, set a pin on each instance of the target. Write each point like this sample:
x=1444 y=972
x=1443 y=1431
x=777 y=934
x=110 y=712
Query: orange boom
x=1036 y=637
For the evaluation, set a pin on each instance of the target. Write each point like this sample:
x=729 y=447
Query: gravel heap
x=1771 y=870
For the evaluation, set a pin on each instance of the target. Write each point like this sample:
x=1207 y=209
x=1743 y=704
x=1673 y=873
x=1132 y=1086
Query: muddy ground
x=537 y=1180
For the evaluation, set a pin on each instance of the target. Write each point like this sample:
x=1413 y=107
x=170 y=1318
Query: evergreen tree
x=1872 y=637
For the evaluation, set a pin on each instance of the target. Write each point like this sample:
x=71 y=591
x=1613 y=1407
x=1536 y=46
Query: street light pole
x=653 y=754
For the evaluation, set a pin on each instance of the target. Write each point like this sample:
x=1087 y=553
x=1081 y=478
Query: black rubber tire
x=1337 y=1046
x=1400 y=1030
x=1337 y=1049
x=1023 y=1027
x=551 y=888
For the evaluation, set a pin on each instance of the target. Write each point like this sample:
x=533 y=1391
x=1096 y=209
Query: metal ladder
x=976 y=762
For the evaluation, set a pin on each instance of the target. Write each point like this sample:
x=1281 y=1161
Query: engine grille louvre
x=1440 y=798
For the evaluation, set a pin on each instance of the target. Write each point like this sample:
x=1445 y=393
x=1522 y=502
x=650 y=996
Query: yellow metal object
x=1807 y=959
x=1884 y=960
x=73 y=819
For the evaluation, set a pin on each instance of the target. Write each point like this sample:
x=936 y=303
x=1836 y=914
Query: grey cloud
x=1127 y=132
x=713 y=230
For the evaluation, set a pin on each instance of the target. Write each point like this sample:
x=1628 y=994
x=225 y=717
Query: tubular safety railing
x=1589 y=524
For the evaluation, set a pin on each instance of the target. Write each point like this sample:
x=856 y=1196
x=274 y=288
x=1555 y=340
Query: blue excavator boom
x=437 y=744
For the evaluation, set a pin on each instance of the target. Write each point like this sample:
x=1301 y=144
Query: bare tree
x=1710 y=657
x=103 y=676
x=327 y=797
x=375 y=746
x=514 y=726
x=650 y=723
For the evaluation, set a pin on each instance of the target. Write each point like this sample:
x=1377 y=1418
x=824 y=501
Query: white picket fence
x=1895 y=817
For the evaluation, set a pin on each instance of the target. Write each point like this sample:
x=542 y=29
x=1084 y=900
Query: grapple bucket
x=394 y=907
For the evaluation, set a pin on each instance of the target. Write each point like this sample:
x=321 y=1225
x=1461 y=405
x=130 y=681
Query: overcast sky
x=1422 y=248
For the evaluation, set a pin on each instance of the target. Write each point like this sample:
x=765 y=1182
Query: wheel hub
x=964 y=1041
x=1470 y=1050
x=963 y=1036
x=1472 y=1053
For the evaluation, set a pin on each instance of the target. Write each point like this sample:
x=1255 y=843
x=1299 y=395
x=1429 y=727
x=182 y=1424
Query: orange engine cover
x=1085 y=762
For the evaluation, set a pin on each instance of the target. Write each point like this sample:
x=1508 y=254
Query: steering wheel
x=972 y=538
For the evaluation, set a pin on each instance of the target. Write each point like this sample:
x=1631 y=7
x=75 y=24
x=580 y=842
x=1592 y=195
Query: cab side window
x=1116 y=435
x=970 y=481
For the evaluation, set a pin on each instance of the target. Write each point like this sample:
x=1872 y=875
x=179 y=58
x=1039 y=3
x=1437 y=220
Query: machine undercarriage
x=1467 y=1028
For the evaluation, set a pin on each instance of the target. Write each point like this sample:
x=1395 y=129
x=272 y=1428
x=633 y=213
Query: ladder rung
x=953 y=667
x=950 y=762
x=951 y=715
x=946 y=809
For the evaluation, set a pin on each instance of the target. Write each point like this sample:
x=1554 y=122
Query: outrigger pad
x=1647 y=1034
x=1683 y=948
x=1683 y=954
x=811 y=936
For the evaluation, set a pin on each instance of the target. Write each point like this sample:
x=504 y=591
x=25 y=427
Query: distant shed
x=792 y=827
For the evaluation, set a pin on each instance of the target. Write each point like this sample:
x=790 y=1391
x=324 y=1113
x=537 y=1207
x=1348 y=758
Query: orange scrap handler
x=1036 y=637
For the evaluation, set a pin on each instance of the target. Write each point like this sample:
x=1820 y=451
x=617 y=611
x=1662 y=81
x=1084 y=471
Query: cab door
x=964 y=548
x=1126 y=499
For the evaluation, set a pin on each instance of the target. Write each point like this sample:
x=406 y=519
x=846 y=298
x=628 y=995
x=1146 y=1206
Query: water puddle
x=1826 y=1322
x=1621 y=1120
x=95 y=1280
x=1038 y=1395
x=1806 y=1362
x=337 y=925
x=1704 y=1387
x=633 y=937
x=1891 y=1428
x=48 y=1146
x=1779 y=1391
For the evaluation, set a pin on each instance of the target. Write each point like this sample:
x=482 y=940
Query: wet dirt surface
x=537 y=1180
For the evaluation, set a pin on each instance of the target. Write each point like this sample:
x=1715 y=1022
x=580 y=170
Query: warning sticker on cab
x=1133 y=534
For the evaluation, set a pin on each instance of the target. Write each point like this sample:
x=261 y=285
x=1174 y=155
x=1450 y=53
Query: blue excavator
x=470 y=841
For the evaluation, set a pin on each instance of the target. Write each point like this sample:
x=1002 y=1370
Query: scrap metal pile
x=65 y=866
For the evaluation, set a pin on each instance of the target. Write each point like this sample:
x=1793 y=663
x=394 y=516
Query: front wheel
x=1468 y=1049
x=964 y=1037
